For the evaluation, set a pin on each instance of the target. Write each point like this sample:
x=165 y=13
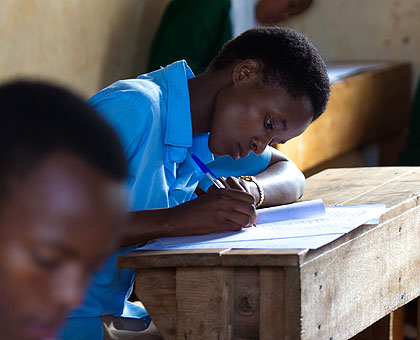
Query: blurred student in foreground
x=62 y=202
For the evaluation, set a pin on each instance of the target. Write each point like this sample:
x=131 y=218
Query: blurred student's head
x=62 y=203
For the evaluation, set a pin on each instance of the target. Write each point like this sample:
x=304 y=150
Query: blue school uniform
x=152 y=117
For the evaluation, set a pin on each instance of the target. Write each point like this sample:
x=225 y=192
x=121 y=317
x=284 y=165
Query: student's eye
x=269 y=123
x=45 y=261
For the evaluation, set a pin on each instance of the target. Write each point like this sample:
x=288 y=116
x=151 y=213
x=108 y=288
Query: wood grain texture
x=204 y=300
x=340 y=186
x=397 y=320
x=363 y=280
x=246 y=308
x=156 y=288
x=272 y=303
x=293 y=303
x=171 y=258
x=262 y=257
x=363 y=108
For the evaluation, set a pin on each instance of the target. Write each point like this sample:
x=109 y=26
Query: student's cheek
x=215 y=145
x=19 y=287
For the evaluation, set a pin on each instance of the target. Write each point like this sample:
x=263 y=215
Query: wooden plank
x=361 y=281
x=418 y=318
x=337 y=186
x=156 y=290
x=293 y=303
x=170 y=258
x=246 y=307
x=204 y=301
x=272 y=303
x=362 y=108
x=397 y=324
x=389 y=185
x=262 y=257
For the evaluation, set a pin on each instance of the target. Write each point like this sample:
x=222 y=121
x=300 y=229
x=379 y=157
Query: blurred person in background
x=196 y=30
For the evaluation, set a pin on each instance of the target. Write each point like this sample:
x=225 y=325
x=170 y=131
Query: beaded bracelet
x=259 y=187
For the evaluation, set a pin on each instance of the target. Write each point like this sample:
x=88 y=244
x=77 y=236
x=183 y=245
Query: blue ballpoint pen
x=208 y=172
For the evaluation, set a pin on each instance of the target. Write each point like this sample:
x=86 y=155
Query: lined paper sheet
x=309 y=225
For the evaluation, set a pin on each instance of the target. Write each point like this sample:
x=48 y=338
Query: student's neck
x=203 y=91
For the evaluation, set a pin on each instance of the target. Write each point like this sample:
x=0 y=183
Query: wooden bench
x=370 y=106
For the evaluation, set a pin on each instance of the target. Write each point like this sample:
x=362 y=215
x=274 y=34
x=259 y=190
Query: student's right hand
x=216 y=211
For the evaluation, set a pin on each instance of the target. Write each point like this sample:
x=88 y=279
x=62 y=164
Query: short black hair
x=38 y=119
x=289 y=60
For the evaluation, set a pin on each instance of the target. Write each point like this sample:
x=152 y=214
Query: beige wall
x=364 y=29
x=85 y=44
x=88 y=44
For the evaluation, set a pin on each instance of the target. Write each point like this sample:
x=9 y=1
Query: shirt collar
x=201 y=148
x=178 y=121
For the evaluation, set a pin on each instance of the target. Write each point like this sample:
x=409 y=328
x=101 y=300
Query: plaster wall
x=88 y=44
x=364 y=29
x=84 y=44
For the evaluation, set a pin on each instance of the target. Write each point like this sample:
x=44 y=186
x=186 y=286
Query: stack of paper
x=299 y=225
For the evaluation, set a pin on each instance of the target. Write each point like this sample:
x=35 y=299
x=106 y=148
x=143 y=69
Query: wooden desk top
x=332 y=292
x=397 y=187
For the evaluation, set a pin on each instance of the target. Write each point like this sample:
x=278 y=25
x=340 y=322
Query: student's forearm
x=282 y=182
x=143 y=226
x=221 y=210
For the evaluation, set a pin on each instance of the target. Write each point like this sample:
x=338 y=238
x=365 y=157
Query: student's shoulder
x=139 y=94
x=132 y=106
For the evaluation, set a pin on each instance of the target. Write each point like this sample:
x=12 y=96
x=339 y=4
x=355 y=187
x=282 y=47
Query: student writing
x=266 y=86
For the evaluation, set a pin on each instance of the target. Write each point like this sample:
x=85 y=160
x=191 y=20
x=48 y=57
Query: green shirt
x=194 y=30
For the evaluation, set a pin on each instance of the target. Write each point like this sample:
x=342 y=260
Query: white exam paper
x=310 y=232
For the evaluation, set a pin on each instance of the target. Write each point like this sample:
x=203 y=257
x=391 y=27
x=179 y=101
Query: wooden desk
x=332 y=293
x=371 y=106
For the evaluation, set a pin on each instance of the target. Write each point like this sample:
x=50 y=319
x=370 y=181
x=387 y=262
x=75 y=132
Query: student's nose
x=258 y=146
x=69 y=288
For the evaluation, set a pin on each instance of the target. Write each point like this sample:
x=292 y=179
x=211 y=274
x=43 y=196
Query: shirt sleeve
x=129 y=113
x=226 y=166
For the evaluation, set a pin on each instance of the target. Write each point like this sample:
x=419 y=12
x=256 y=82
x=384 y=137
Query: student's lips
x=239 y=152
x=44 y=331
x=244 y=153
x=236 y=152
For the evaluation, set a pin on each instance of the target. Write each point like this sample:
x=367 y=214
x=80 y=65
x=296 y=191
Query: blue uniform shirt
x=152 y=117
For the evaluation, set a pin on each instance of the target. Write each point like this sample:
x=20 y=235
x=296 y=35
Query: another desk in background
x=331 y=293
x=370 y=103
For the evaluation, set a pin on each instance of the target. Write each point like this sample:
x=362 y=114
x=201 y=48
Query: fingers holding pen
x=237 y=205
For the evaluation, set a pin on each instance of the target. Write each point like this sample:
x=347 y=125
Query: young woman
x=266 y=86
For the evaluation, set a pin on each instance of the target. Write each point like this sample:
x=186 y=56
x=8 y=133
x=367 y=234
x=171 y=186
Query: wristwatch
x=259 y=187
